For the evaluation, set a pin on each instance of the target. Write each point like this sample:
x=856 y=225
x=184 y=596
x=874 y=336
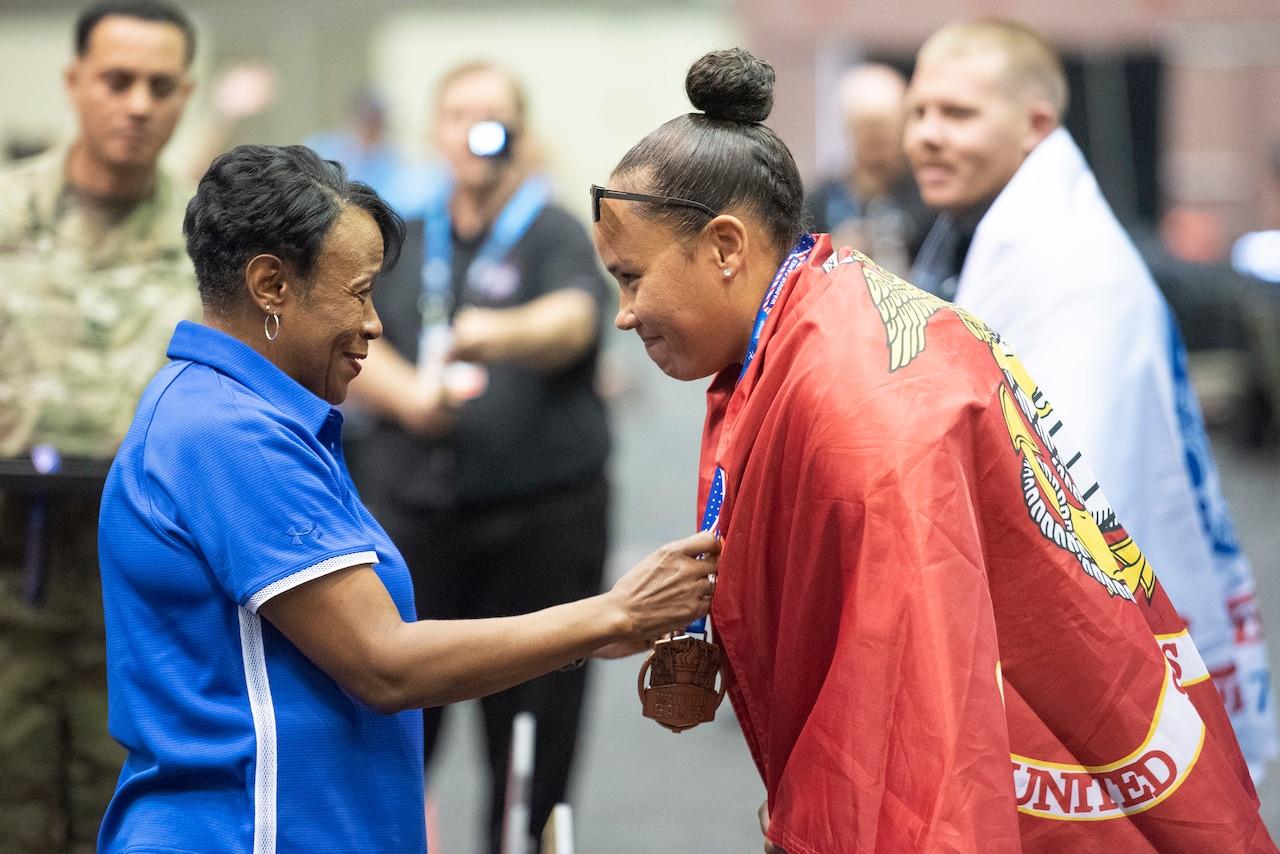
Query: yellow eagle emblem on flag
x=905 y=311
x=1053 y=500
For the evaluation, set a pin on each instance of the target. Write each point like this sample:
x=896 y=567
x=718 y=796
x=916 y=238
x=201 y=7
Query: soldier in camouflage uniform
x=93 y=278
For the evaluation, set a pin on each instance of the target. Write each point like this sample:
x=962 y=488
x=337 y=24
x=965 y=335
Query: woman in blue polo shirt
x=229 y=502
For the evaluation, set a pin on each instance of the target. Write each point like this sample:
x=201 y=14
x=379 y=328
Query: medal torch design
x=682 y=690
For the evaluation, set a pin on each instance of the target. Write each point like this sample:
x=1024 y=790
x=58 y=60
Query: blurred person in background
x=929 y=642
x=363 y=148
x=1026 y=241
x=486 y=464
x=876 y=205
x=93 y=278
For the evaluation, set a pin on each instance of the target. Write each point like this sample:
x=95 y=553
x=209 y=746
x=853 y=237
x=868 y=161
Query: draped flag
x=933 y=643
x=1052 y=270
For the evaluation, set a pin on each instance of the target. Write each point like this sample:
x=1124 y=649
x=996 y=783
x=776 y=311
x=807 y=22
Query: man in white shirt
x=1026 y=242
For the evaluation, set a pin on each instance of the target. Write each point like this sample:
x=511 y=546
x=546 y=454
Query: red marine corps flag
x=938 y=635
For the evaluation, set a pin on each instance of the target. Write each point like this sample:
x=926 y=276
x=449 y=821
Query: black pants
x=503 y=560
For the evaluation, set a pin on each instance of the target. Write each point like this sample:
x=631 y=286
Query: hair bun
x=731 y=85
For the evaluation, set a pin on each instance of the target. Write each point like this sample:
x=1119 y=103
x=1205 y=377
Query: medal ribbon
x=517 y=215
x=715 y=498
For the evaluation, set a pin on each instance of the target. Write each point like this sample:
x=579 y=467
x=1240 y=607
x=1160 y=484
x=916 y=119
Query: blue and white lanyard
x=715 y=498
x=521 y=210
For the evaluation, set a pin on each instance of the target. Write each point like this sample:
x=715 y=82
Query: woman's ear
x=267 y=282
x=727 y=243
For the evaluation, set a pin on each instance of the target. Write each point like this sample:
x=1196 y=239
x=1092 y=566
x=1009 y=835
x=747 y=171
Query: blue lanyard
x=715 y=498
x=437 y=266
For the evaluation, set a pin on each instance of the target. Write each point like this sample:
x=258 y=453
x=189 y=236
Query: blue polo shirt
x=229 y=489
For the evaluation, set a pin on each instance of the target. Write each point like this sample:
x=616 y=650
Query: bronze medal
x=682 y=692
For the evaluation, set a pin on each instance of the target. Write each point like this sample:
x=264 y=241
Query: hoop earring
x=266 y=326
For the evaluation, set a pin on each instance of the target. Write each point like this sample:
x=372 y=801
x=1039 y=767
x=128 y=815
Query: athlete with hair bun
x=931 y=643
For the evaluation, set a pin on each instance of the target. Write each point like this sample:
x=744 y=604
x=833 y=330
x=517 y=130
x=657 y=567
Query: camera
x=490 y=139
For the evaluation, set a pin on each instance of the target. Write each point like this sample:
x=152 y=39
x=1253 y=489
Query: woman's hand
x=763 y=815
x=664 y=592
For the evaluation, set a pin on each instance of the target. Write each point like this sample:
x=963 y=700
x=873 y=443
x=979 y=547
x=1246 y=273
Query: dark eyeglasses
x=598 y=193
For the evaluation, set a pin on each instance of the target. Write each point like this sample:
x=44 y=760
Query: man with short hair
x=93 y=279
x=1026 y=241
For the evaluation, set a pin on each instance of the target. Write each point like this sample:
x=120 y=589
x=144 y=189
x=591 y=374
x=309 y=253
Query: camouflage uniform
x=89 y=296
